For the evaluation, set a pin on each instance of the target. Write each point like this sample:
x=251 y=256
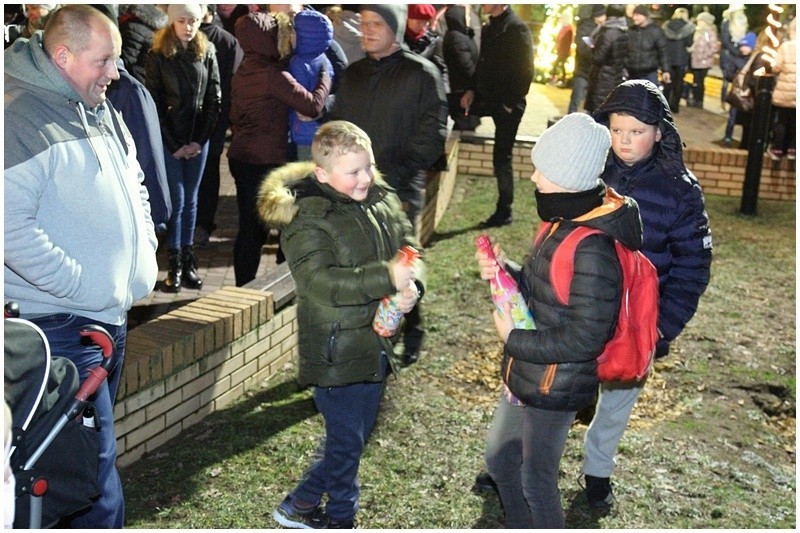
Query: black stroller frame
x=52 y=479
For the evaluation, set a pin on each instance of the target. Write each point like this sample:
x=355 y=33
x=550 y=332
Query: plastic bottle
x=504 y=289
x=388 y=316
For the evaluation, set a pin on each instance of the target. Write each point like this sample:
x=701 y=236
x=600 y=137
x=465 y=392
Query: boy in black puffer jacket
x=551 y=372
x=646 y=163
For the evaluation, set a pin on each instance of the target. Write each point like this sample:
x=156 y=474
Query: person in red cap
x=423 y=40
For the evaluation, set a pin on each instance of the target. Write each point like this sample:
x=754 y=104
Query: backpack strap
x=562 y=265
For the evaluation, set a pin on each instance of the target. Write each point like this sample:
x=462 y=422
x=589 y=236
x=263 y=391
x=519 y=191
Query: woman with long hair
x=183 y=77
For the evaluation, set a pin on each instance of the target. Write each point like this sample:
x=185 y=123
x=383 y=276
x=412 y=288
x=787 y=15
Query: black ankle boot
x=173 y=281
x=190 y=278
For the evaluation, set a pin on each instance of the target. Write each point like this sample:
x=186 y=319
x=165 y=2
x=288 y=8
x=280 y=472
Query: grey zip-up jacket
x=78 y=234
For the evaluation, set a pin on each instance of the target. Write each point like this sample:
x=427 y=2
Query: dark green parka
x=338 y=252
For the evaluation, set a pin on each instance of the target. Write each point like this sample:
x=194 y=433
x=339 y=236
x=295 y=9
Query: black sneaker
x=496 y=220
x=484 y=483
x=290 y=516
x=599 y=493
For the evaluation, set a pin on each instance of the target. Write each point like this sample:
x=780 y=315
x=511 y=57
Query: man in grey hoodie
x=79 y=240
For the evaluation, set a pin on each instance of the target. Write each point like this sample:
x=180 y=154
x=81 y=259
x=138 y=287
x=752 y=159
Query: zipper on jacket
x=547 y=379
x=332 y=340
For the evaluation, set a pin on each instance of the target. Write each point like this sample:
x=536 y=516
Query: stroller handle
x=102 y=338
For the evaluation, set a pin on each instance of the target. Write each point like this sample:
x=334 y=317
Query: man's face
x=377 y=38
x=631 y=139
x=351 y=174
x=92 y=70
x=639 y=20
x=35 y=12
x=493 y=10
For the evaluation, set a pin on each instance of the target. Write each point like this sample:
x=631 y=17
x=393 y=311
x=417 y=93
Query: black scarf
x=568 y=205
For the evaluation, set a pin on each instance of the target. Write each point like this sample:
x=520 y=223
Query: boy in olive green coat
x=341 y=227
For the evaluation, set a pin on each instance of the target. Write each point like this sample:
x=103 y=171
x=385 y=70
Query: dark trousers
x=580 y=86
x=208 y=195
x=252 y=232
x=523 y=454
x=61 y=331
x=784 y=129
x=350 y=413
x=505 y=133
x=699 y=85
x=413 y=200
x=674 y=89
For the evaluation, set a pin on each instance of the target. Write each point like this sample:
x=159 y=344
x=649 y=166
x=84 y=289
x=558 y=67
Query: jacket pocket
x=547 y=380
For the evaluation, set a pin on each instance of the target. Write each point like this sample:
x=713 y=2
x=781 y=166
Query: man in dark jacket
x=647 y=49
x=229 y=56
x=502 y=80
x=130 y=97
x=591 y=17
x=679 y=32
x=460 y=55
x=398 y=98
x=609 y=49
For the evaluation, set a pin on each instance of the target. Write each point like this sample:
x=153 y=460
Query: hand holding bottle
x=503 y=322
x=402 y=272
x=505 y=294
x=490 y=265
x=408 y=298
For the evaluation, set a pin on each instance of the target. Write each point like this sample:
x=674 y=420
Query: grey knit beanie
x=572 y=152
x=395 y=16
x=184 y=10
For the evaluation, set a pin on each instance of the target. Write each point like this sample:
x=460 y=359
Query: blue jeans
x=523 y=454
x=350 y=413
x=184 y=177
x=62 y=334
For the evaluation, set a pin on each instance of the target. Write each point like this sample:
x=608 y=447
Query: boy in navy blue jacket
x=646 y=163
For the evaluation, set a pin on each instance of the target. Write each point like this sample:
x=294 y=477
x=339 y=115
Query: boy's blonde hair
x=336 y=138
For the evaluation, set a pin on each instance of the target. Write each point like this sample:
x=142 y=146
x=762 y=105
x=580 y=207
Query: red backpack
x=628 y=356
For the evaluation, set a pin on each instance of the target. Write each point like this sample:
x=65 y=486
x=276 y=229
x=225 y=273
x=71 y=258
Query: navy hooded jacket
x=677 y=238
x=134 y=102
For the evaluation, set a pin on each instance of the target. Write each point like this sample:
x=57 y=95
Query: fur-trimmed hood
x=265 y=34
x=277 y=200
x=284 y=186
x=148 y=14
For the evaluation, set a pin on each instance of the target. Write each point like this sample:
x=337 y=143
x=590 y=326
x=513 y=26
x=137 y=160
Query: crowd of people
x=333 y=118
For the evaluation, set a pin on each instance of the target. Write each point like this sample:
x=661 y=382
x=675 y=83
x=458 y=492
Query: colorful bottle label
x=504 y=289
x=388 y=316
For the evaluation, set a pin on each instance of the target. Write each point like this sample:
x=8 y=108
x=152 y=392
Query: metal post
x=759 y=129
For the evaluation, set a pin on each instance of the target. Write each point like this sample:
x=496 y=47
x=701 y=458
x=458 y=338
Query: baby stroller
x=54 y=451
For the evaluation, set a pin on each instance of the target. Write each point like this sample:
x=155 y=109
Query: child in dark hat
x=646 y=163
